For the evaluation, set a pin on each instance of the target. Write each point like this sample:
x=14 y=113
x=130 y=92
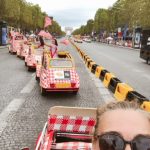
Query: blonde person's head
x=119 y=110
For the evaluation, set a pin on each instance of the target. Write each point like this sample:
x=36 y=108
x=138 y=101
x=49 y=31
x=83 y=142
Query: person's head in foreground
x=122 y=126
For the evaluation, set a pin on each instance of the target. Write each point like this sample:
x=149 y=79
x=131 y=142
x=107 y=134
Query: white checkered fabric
x=73 y=146
x=75 y=124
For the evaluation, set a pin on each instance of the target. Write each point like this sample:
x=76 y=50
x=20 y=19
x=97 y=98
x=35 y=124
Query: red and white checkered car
x=58 y=75
x=68 y=128
x=16 y=43
x=24 y=51
x=33 y=57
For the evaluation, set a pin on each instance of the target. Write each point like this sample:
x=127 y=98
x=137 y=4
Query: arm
x=48 y=45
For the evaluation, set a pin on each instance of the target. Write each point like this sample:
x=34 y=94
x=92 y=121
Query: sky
x=72 y=13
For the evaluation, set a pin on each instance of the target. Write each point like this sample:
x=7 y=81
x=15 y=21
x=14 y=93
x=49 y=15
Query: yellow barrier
x=88 y=60
x=82 y=54
x=107 y=78
x=98 y=71
x=86 y=57
x=121 y=91
x=146 y=105
x=91 y=65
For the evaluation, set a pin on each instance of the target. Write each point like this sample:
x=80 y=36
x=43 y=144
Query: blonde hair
x=124 y=105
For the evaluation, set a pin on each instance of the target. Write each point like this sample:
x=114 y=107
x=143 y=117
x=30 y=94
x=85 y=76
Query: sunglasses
x=114 y=141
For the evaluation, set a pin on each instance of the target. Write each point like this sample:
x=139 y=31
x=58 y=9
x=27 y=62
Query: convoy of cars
x=53 y=74
x=66 y=127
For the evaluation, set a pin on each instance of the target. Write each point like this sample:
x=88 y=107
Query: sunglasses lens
x=111 y=142
x=141 y=143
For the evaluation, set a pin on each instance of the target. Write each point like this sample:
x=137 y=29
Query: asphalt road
x=124 y=63
x=23 y=111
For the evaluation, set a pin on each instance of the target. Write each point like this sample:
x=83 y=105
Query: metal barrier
x=90 y=65
x=93 y=70
x=107 y=78
x=113 y=84
x=146 y=106
x=102 y=75
x=122 y=90
x=98 y=71
x=88 y=62
x=135 y=96
x=85 y=57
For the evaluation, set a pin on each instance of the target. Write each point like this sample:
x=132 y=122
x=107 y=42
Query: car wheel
x=43 y=91
x=25 y=63
x=75 y=92
x=37 y=78
x=29 y=69
x=147 y=61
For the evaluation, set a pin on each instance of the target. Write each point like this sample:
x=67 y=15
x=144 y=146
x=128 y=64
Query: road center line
x=29 y=86
x=8 y=112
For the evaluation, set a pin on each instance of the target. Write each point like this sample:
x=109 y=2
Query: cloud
x=73 y=17
x=72 y=13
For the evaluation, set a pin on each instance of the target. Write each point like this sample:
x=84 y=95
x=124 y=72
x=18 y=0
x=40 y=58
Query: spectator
x=122 y=126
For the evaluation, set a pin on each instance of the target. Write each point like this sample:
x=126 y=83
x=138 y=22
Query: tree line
x=25 y=15
x=124 y=13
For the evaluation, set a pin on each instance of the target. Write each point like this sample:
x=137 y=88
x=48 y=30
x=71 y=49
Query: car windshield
x=19 y=38
x=61 y=63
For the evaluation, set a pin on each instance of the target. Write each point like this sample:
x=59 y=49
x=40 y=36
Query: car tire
x=25 y=63
x=37 y=78
x=147 y=61
x=43 y=91
x=75 y=92
x=29 y=69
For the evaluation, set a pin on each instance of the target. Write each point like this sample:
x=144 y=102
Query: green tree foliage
x=24 y=15
x=85 y=30
x=124 y=12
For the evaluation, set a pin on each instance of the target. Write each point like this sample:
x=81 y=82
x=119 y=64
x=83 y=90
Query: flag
x=48 y=22
x=45 y=34
x=64 y=41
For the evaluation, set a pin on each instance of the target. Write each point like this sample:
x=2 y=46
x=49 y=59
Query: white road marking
x=29 y=87
x=8 y=112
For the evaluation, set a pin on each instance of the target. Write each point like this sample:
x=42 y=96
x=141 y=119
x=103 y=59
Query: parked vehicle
x=145 y=45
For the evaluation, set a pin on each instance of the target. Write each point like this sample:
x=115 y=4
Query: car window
x=61 y=63
x=19 y=38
